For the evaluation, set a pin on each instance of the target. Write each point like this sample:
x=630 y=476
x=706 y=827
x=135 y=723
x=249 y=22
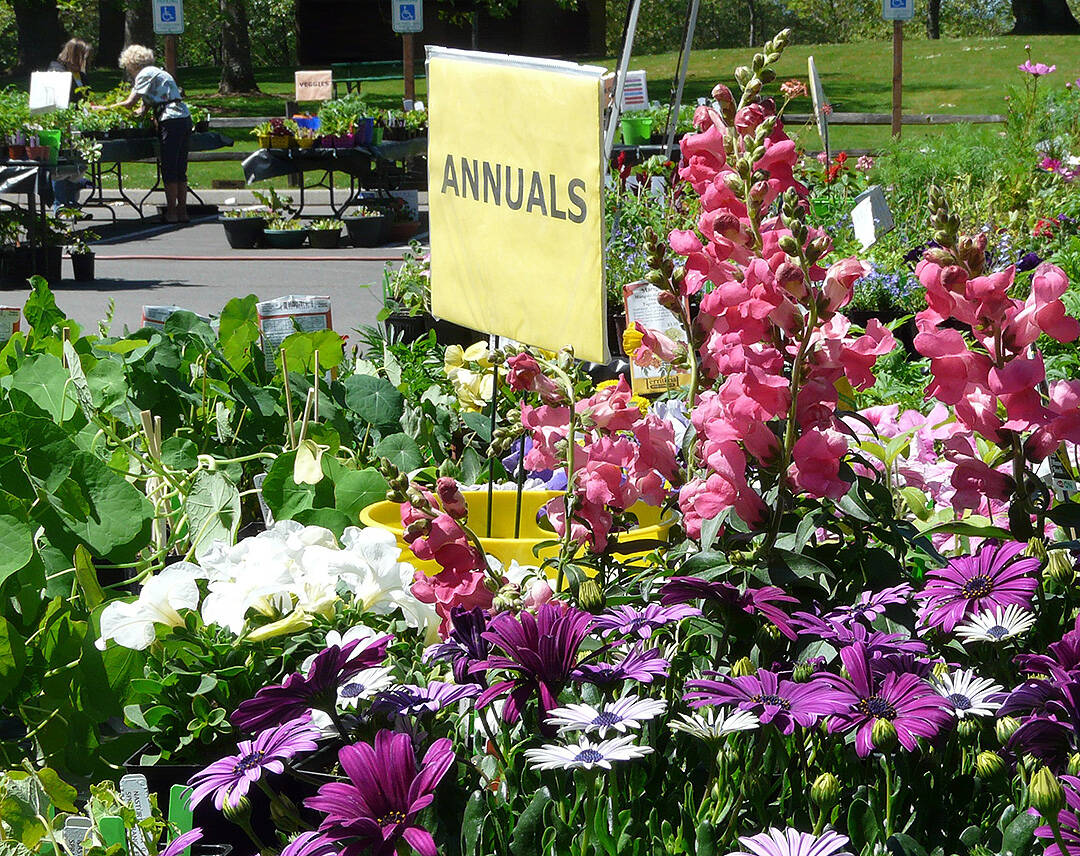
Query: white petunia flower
x=712 y=723
x=133 y=625
x=997 y=624
x=585 y=754
x=363 y=685
x=969 y=694
x=624 y=714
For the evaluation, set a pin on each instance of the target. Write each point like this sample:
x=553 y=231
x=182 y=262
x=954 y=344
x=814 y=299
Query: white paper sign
x=871 y=216
x=635 y=95
x=817 y=95
x=169 y=17
x=156 y=316
x=49 y=90
x=283 y=316
x=9 y=322
x=408 y=16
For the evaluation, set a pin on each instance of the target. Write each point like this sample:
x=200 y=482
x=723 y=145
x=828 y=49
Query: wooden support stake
x=288 y=399
x=315 y=408
x=897 y=76
x=407 y=66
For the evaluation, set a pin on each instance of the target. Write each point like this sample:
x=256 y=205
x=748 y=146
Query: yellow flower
x=294 y=622
x=478 y=353
x=453 y=359
x=631 y=340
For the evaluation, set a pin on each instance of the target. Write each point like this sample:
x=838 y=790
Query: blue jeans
x=65 y=193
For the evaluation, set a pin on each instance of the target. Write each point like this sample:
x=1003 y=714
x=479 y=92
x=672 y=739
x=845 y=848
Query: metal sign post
x=684 y=62
x=897 y=11
x=408 y=18
x=620 y=78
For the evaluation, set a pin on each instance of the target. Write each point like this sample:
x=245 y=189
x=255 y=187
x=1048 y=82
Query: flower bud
x=294 y=622
x=590 y=596
x=939 y=670
x=883 y=736
x=939 y=256
x=1073 y=767
x=1005 y=728
x=538 y=592
x=803 y=672
x=742 y=667
x=989 y=765
x=1036 y=548
x=789 y=245
x=669 y=301
x=967 y=729
x=507 y=599
x=825 y=791
x=1045 y=793
x=722 y=95
x=1059 y=567
x=791 y=278
x=284 y=813
x=239 y=813
x=453 y=502
x=758 y=190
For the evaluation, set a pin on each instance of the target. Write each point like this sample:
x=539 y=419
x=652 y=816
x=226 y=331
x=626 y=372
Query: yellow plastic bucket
x=502 y=544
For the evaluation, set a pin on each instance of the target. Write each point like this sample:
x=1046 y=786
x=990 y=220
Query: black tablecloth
x=21 y=177
x=146 y=148
x=273 y=163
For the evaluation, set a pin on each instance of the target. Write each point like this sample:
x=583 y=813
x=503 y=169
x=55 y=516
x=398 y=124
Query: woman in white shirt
x=154 y=88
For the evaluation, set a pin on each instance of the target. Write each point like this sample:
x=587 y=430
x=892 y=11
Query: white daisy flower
x=969 y=694
x=585 y=754
x=712 y=723
x=363 y=685
x=997 y=624
x=622 y=715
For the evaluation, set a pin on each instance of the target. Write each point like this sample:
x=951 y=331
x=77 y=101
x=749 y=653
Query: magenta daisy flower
x=640 y=665
x=412 y=700
x=996 y=576
x=539 y=651
x=182 y=842
x=752 y=601
x=870 y=605
x=229 y=779
x=913 y=707
x=627 y=620
x=843 y=633
x=791 y=842
x=318 y=688
x=309 y=844
x=386 y=791
x=771 y=698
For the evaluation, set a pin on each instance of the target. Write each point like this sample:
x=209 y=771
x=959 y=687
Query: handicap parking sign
x=168 y=14
x=408 y=16
x=898 y=10
x=169 y=17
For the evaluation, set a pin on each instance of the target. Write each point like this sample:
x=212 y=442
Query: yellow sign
x=515 y=183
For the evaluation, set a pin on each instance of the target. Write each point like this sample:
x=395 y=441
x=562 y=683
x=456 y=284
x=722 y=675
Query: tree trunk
x=1043 y=17
x=752 y=7
x=474 y=19
x=38 y=31
x=110 y=40
x=933 y=19
x=237 y=74
x=139 y=23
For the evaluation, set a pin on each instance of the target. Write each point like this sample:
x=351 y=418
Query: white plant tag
x=134 y=792
x=75 y=831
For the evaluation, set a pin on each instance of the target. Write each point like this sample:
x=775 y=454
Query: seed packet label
x=134 y=792
x=1064 y=485
x=649 y=375
x=156 y=316
x=75 y=831
x=9 y=322
x=280 y=318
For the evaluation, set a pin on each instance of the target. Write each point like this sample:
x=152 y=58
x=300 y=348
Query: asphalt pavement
x=145 y=263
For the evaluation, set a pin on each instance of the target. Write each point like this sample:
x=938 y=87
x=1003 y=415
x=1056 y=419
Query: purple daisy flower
x=996 y=576
x=411 y=700
x=772 y=698
x=318 y=688
x=540 y=651
x=1062 y=660
x=630 y=620
x=906 y=700
x=871 y=605
x=229 y=778
x=841 y=634
x=1053 y=733
x=309 y=844
x=182 y=842
x=640 y=665
x=1068 y=822
x=791 y=842
x=379 y=805
x=465 y=646
x=752 y=601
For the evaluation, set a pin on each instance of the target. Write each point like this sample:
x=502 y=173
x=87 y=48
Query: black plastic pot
x=367 y=231
x=449 y=333
x=202 y=126
x=407 y=328
x=243 y=233
x=15 y=267
x=82 y=267
x=324 y=239
x=48 y=262
x=285 y=239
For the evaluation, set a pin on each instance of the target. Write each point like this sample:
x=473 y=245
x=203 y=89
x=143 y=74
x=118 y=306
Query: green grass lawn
x=946 y=76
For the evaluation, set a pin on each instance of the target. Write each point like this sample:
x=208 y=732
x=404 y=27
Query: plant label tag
x=156 y=316
x=134 y=792
x=283 y=316
x=9 y=322
x=267 y=514
x=648 y=373
x=1064 y=485
x=75 y=831
x=871 y=216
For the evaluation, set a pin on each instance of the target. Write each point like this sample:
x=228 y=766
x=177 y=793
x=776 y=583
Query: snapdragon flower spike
x=640 y=665
x=629 y=620
x=586 y=754
x=465 y=645
x=624 y=714
x=751 y=601
x=969 y=694
x=996 y=576
x=318 y=688
x=997 y=625
x=791 y=842
x=377 y=809
x=906 y=700
x=416 y=701
x=539 y=651
x=229 y=778
x=772 y=699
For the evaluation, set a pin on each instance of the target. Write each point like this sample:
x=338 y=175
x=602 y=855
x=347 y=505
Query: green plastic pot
x=636 y=129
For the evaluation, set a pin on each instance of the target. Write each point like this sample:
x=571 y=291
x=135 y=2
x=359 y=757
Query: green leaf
x=375 y=400
x=40 y=309
x=799 y=564
x=957 y=527
x=213 y=510
x=42 y=377
x=472 y=822
x=480 y=423
x=861 y=824
x=1066 y=514
x=16 y=545
x=87 y=577
x=1019 y=836
x=238 y=330
x=355 y=490
x=300 y=348
x=702 y=562
x=327 y=518
x=179 y=453
x=705 y=839
x=108 y=384
x=525 y=839
x=12 y=657
x=402 y=450
x=60 y=793
x=904 y=845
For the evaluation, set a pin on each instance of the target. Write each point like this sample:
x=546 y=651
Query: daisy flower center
x=997 y=631
x=776 y=700
x=352 y=690
x=250 y=762
x=606 y=718
x=960 y=701
x=877 y=707
x=392 y=816
x=588 y=756
x=979 y=585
